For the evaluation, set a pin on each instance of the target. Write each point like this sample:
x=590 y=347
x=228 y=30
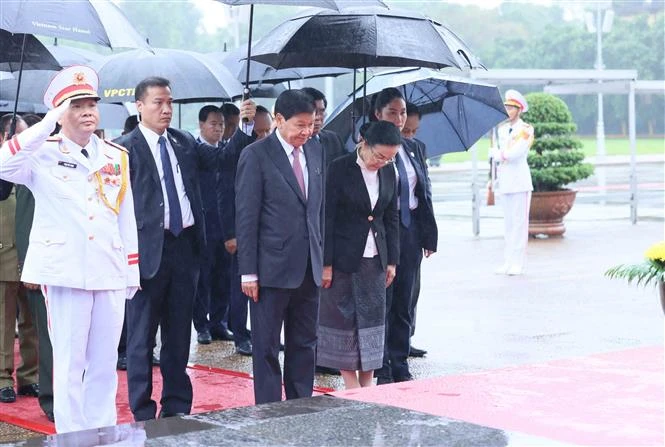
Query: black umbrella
x=456 y=111
x=35 y=80
x=99 y=22
x=194 y=77
x=34 y=54
x=330 y=4
x=363 y=37
x=237 y=64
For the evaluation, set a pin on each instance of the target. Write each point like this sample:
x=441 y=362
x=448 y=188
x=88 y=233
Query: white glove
x=54 y=115
x=35 y=135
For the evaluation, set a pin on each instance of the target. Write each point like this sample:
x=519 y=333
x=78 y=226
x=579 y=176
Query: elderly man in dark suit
x=164 y=169
x=279 y=205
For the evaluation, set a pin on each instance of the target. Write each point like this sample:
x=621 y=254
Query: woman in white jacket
x=513 y=181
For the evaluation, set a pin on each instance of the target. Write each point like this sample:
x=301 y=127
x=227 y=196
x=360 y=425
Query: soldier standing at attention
x=513 y=178
x=83 y=244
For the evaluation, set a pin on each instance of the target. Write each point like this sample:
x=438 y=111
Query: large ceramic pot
x=548 y=210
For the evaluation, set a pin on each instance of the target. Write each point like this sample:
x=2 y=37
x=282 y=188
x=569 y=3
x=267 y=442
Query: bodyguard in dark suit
x=418 y=235
x=164 y=165
x=331 y=142
x=211 y=304
x=279 y=206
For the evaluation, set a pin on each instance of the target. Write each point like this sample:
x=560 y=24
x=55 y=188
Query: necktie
x=84 y=151
x=175 y=214
x=403 y=191
x=297 y=170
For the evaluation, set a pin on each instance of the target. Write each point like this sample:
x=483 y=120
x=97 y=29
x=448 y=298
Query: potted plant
x=650 y=271
x=555 y=160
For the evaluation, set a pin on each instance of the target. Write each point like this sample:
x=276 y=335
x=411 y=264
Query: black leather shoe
x=204 y=337
x=122 y=362
x=31 y=390
x=383 y=380
x=222 y=334
x=155 y=360
x=244 y=348
x=50 y=416
x=7 y=395
x=166 y=414
x=415 y=352
x=326 y=370
x=403 y=378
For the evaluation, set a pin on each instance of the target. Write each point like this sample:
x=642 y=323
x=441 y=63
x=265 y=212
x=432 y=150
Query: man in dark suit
x=332 y=144
x=418 y=235
x=279 y=207
x=211 y=304
x=164 y=167
x=411 y=126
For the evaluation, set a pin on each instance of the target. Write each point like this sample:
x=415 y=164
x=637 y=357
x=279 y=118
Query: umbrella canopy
x=456 y=111
x=34 y=81
x=236 y=62
x=363 y=37
x=329 y=4
x=35 y=54
x=99 y=22
x=332 y=4
x=193 y=76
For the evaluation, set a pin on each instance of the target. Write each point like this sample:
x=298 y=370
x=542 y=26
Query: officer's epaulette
x=117 y=146
x=54 y=138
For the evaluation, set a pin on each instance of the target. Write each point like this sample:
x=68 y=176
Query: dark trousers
x=398 y=304
x=239 y=305
x=298 y=310
x=40 y=320
x=414 y=301
x=167 y=300
x=211 y=305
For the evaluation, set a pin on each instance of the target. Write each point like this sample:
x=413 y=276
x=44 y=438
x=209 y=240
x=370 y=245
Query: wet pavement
x=470 y=319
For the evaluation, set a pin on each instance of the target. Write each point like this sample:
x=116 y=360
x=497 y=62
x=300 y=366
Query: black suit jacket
x=425 y=212
x=226 y=185
x=147 y=191
x=349 y=216
x=279 y=232
x=333 y=147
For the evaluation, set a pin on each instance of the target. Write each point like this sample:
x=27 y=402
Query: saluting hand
x=391 y=270
x=326 y=281
x=251 y=289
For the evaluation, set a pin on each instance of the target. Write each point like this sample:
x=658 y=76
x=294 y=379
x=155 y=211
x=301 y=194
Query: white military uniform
x=84 y=252
x=514 y=186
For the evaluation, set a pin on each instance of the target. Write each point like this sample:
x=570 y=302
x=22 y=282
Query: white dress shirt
x=153 y=143
x=288 y=149
x=411 y=175
x=372 y=184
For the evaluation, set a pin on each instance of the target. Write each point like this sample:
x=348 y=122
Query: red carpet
x=214 y=389
x=604 y=399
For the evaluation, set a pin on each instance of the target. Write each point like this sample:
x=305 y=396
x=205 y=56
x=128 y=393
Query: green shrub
x=556 y=158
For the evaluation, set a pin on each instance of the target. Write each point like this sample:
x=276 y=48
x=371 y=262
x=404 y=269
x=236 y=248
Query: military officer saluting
x=83 y=244
x=513 y=181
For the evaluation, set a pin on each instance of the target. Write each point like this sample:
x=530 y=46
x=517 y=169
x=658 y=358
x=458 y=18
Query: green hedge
x=555 y=158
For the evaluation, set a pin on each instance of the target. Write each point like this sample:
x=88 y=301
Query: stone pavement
x=469 y=320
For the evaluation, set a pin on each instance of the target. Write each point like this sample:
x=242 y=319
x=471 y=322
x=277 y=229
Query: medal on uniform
x=117 y=174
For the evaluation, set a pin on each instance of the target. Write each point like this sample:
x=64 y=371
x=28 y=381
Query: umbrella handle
x=246 y=90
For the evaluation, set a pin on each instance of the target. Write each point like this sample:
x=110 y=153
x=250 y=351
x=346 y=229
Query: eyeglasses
x=380 y=157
